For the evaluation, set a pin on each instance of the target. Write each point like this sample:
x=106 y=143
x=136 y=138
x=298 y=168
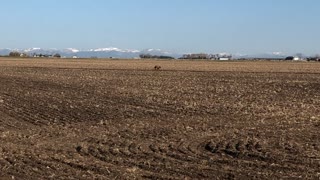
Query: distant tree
x=165 y=57
x=315 y=58
x=145 y=56
x=149 y=56
x=289 y=58
x=14 y=54
x=57 y=55
x=44 y=55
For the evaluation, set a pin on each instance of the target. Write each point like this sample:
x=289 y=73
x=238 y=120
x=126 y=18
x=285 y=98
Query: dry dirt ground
x=120 y=119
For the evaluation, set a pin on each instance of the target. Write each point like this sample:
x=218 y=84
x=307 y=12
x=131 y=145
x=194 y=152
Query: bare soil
x=121 y=119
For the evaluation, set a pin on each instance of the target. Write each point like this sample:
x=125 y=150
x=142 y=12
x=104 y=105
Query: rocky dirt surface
x=119 y=120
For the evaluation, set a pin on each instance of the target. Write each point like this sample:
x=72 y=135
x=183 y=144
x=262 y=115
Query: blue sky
x=235 y=26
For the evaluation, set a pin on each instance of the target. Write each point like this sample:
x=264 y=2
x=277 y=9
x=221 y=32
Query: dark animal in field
x=157 y=67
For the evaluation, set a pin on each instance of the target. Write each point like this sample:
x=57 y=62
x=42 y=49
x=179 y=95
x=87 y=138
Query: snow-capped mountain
x=72 y=50
x=114 y=49
x=268 y=55
x=31 y=49
x=87 y=53
x=127 y=53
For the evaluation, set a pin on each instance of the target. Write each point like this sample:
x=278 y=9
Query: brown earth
x=121 y=119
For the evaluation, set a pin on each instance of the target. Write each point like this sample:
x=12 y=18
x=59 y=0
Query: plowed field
x=121 y=119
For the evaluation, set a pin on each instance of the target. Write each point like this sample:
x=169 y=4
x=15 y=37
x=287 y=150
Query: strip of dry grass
x=172 y=65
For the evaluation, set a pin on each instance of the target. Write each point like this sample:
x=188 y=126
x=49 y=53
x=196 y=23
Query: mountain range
x=123 y=53
x=99 y=52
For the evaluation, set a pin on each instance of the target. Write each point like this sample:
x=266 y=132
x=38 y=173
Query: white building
x=224 y=58
x=296 y=58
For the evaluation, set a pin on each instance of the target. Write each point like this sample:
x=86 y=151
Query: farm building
x=23 y=55
x=224 y=58
x=293 y=58
x=296 y=58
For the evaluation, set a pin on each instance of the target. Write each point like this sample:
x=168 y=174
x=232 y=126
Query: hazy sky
x=235 y=26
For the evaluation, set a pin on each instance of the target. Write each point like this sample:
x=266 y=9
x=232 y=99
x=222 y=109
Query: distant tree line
x=57 y=55
x=205 y=56
x=315 y=58
x=149 y=56
x=19 y=54
x=300 y=57
x=195 y=56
